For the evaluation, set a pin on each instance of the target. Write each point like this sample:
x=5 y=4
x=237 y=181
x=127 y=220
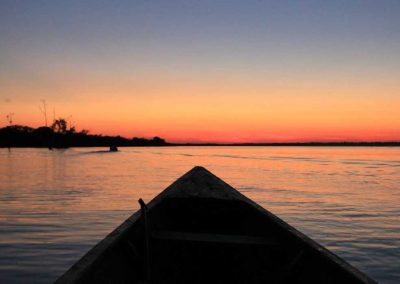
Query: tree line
x=60 y=135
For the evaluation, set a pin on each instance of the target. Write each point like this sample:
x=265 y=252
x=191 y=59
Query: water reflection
x=54 y=205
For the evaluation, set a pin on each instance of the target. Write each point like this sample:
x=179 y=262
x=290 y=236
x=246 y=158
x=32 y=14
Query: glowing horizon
x=191 y=71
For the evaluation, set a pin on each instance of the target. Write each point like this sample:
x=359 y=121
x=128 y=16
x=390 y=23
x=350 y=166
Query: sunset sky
x=197 y=71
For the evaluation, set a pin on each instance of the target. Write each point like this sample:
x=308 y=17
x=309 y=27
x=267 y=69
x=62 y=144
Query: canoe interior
x=214 y=261
x=195 y=239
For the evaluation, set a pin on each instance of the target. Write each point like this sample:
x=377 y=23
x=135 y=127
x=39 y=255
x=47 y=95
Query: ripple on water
x=57 y=206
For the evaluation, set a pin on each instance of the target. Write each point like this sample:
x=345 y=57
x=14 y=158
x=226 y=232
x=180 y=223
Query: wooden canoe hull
x=201 y=230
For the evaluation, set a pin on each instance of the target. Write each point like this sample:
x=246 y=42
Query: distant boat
x=113 y=148
x=201 y=230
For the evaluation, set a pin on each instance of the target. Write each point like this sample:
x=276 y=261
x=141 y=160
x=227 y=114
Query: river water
x=55 y=205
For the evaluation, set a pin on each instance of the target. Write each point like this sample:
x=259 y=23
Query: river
x=55 y=205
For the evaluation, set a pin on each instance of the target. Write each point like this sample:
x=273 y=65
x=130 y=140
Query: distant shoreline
x=20 y=136
x=308 y=144
x=297 y=144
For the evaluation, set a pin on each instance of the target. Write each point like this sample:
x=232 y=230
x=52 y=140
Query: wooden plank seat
x=213 y=238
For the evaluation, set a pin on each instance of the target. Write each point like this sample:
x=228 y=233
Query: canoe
x=202 y=230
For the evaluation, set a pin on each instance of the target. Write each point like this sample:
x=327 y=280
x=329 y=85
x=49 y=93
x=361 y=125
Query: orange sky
x=231 y=111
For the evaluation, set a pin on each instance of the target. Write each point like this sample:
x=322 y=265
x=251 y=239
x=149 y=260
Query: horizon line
x=180 y=142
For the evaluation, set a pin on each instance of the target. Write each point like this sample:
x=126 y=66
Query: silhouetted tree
x=43 y=110
x=59 y=136
x=60 y=126
x=43 y=131
x=10 y=118
x=158 y=141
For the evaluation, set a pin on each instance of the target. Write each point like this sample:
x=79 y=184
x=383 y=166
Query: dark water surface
x=55 y=205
